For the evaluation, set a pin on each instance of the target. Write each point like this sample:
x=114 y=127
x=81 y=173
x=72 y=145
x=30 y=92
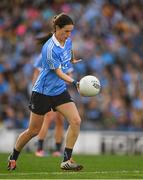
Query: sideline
x=65 y=172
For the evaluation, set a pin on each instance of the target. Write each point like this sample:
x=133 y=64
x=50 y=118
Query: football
x=89 y=86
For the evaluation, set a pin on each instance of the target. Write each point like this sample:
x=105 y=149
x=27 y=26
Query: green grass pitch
x=95 y=167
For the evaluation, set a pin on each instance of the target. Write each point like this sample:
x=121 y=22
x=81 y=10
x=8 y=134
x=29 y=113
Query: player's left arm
x=74 y=60
x=35 y=75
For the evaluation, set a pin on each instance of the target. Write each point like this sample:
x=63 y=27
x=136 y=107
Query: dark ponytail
x=42 y=39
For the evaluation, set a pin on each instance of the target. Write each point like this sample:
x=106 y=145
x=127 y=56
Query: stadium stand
x=107 y=36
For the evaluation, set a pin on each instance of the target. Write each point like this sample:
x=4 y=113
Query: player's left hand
x=74 y=61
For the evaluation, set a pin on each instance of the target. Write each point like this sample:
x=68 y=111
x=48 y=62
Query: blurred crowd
x=107 y=37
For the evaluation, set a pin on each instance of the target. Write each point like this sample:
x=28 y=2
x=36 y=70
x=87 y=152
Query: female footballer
x=50 y=92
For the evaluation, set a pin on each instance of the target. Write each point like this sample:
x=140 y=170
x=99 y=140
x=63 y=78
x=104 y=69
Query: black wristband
x=74 y=83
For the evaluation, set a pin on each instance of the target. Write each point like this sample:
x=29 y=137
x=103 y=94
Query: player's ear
x=57 y=28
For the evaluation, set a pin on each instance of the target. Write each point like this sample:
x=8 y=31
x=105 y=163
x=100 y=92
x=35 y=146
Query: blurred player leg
x=59 y=130
x=48 y=118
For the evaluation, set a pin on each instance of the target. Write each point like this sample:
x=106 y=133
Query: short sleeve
x=38 y=62
x=53 y=59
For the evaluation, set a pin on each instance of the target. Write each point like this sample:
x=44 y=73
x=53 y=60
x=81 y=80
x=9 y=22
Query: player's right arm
x=52 y=61
x=64 y=76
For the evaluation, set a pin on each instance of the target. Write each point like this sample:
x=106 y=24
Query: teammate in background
x=50 y=116
x=50 y=92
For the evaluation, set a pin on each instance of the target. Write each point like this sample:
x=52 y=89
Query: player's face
x=65 y=32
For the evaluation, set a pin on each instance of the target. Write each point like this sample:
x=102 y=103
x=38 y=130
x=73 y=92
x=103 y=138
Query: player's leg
x=70 y=112
x=48 y=118
x=33 y=129
x=59 y=130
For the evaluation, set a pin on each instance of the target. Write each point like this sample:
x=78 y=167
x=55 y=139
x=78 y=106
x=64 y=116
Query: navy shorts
x=41 y=104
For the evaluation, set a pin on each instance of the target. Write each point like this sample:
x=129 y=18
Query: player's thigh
x=59 y=118
x=70 y=112
x=49 y=117
x=36 y=122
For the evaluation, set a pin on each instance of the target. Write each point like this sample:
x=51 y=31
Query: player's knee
x=59 y=124
x=76 y=121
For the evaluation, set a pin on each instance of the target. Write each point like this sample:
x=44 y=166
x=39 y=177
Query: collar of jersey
x=56 y=41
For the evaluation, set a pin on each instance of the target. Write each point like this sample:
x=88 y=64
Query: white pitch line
x=81 y=172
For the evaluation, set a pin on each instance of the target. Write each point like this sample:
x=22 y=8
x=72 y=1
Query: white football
x=89 y=86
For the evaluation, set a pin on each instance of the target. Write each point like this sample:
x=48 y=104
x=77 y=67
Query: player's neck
x=61 y=41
